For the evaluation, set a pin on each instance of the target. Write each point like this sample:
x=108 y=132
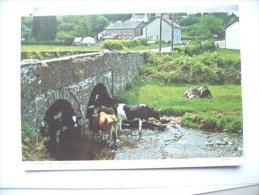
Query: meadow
x=222 y=112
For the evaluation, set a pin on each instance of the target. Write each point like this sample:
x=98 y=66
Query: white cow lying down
x=200 y=92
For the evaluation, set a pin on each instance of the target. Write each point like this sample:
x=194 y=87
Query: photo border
x=198 y=180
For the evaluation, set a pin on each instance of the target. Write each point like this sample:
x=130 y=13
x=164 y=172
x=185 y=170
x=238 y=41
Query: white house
x=232 y=36
x=152 y=30
x=88 y=41
x=77 y=40
x=139 y=17
x=84 y=41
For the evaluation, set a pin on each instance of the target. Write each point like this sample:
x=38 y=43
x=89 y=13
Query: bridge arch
x=99 y=96
x=66 y=95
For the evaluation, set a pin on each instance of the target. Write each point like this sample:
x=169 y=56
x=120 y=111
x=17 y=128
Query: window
x=125 y=31
x=131 y=32
x=119 y=31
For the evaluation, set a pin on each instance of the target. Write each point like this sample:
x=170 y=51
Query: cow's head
x=205 y=92
x=74 y=118
x=154 y=113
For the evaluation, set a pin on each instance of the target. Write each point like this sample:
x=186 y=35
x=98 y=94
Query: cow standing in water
x=59 y=117
x=140 y=112
x=108 y=124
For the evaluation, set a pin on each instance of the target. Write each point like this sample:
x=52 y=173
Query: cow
x=59 y=117
x=108 y=124
x=131 y=112
x=200 y=92
x=96 y=102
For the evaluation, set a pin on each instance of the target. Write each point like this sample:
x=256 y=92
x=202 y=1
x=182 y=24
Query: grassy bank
x=223 y=112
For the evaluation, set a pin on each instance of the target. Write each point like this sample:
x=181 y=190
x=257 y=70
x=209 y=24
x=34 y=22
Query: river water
x=176 y=142
x=173 y=142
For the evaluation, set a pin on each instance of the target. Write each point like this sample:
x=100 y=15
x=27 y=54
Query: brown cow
x=108 y=124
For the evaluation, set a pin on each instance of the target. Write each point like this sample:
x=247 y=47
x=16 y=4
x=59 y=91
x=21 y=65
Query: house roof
x=232 y=23
x=166 y=20
x=170 y=22
x=78 y=39
x=109 y=36
x=88 y=40
x=125 y=25
x=139 y=17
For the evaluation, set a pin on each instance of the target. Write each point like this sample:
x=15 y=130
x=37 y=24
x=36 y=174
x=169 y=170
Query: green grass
x=221 y=112
x=39 y=48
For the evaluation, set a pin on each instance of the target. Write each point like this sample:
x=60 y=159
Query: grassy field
x=39 y=48
x=222 y=112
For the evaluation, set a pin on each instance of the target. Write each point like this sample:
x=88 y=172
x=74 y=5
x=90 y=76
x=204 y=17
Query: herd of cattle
x=109 y=120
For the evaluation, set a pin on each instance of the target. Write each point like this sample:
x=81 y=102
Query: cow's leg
x=111 y=133
x=120 y=124
x=58 y=136
x=140 y=126
x=53 y=138
x=57 y=148
x=115 y=135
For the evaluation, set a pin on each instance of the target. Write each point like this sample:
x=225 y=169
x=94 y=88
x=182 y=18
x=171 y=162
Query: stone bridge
x=76 y=79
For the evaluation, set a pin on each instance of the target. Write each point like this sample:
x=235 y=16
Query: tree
x=26 y=27
x=204 y=26
x=97 y=24
x=197 y=30
x=190 y=20
x=213 y=24
x=116 y=17
x=44 y=28
x=82 y=29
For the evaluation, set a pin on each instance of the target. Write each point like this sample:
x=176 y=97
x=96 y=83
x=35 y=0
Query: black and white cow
x=132 y=112
x=200 y=92
x=59 y=117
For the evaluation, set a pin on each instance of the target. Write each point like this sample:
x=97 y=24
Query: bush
x=208 y=67
x=112 y=45
x=197 y=48
x=33 y=147
x=120 y=44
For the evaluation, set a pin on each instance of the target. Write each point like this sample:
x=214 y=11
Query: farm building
x=152 y=30
x=124 y=30
x=84 y=41
x=232 y=36
x=77 y=40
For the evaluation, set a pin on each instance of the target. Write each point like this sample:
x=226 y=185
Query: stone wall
x=73 y=78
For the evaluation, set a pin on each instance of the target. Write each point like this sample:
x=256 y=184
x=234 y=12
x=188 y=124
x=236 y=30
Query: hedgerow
x=121 y=44
x=208 y=67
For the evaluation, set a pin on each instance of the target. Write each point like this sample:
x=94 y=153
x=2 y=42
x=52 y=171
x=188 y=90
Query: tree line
x=60 y=28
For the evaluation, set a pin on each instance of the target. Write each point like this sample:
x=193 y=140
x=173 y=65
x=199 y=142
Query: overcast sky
x=116 y=6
